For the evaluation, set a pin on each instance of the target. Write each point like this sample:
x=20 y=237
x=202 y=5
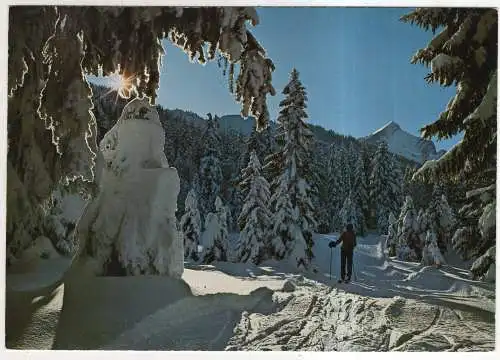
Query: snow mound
x=131 y=223
x=289 y=286
x=40 y=266
x=42 y=248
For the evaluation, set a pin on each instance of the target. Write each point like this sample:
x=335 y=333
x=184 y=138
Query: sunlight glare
x=122 y=85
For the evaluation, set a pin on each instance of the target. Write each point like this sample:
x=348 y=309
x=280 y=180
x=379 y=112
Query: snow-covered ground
x=376 y=275
x=389 y=305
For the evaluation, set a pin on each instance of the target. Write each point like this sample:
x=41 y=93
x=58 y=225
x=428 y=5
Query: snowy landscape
x=235 y=306
x=132 y=226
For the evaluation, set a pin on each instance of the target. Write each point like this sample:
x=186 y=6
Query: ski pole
x=331 y=255
x=354 y=269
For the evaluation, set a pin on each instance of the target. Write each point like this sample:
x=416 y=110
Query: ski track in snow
x=389 y=306
x=437 y=309
x=331 y=320
x=377 y=276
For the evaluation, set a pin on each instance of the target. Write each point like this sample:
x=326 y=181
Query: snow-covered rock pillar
x=130 y=227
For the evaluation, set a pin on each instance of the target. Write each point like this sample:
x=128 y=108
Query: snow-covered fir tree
x=422 y=225
x=431 y=254
x=383 y=187
x=350 y=213
x=346 y=169
x=338 y=188
x=351 y=157
x=447 y=220
x=366 y=156
x=392 y=238
x=439 y=219
x=291 y=201
x=222 y=212
x=255 y=218
x=415 y=185
x=285 y=232
x=465 y=53
x=122 y=230
x=321 y=200
x=476 y=228
x=408 y=231
x=360 y=194
x=409 y=185
x=191 y=226
x=184 y=152
x=62 y=212
x=262 y=142
x=406 y=187
x=233 y=149
x=210 y=178
x=215 y=236
x=397 y=178
x=407 y=208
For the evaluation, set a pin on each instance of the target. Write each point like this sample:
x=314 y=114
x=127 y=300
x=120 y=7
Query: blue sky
x=354 y=63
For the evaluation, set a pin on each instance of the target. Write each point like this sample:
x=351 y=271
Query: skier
x=348 y=240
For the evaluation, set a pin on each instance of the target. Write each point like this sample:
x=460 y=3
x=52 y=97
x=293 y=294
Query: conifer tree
x=273 y=167
x=191 y=227
x=407 y=187
x=392 y=238
x=381 y=187
x=360 y=194
x=407 y=228
x=431 y=253
x=255 y=218
x=351 y=157
x=337 y=186
x=345 y=170
x=285 y=233
x=396 y=190
x=350 y=213
x=261 y=142
x=321 y=200
x=292 y=199
x=415 y=185
x=215 y=236
x=464 y=53
x=422 y=225
x=233 y=147
x=210 y=179
x=366 y=157
x=441 y=219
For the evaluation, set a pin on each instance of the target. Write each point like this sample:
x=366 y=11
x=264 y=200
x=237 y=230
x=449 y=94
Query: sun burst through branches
x=122 y=85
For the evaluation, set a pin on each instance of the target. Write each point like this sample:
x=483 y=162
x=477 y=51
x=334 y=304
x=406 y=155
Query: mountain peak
x=403 y=143
x=391 y=125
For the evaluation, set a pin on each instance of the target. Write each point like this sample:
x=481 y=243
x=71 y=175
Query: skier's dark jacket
x=348 y=240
